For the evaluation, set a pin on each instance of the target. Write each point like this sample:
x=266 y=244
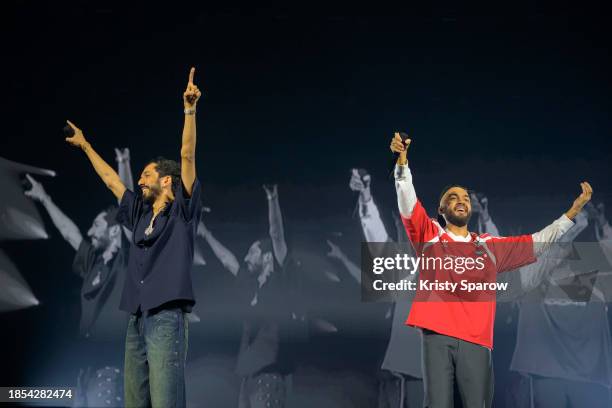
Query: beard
x=99 y=243
x=457 y=220
x=95 y=242
x=151 y=193
x=252 y=268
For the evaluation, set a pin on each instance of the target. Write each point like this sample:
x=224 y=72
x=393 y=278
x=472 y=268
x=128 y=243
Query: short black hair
x=439 y=217
x=265 y=245
x=166 y=167
x=448 y=187
x=110 y=214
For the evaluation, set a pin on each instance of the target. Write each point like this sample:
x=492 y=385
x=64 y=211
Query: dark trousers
x=560 y=393
x=155 y=352
x=398 y=390
x=448 y=361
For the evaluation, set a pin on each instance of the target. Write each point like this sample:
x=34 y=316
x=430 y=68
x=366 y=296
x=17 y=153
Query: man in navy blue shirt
x=163 y=216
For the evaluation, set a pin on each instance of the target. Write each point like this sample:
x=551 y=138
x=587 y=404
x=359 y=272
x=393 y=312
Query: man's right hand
x=334 y=251
x=480 y=206
x=361 y=183
x=401 y=147
x=78 y=139
x=37 y=192
x=271 y=190
x=122 y=155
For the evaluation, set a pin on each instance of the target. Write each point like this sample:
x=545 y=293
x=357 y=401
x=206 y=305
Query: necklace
x=96 y=280
x=149 y=230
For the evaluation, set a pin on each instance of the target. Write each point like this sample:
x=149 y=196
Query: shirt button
x=146 y=248
x=141 y=281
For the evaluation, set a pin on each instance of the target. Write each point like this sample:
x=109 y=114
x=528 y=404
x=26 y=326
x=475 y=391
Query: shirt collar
x=459 y=238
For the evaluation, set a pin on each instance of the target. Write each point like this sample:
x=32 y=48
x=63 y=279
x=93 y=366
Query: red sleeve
x=512 y=252
x=419 y=227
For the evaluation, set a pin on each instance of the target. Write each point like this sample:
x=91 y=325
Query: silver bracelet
x=191 y=111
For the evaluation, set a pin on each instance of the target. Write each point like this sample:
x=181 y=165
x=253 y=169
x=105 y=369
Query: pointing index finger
x=191 y=74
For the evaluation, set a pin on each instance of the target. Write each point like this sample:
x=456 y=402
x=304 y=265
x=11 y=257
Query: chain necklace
x=149 y=230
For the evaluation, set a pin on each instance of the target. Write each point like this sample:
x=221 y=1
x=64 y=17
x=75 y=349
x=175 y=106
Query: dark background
x=512 y=100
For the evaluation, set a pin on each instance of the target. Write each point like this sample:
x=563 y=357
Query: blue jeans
x=155 y=352
x=264 y=390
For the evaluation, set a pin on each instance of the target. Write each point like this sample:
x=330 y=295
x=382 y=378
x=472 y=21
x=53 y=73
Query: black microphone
x=68 y=131
x=393 y=160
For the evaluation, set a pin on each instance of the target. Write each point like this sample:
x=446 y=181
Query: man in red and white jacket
x=458 y=329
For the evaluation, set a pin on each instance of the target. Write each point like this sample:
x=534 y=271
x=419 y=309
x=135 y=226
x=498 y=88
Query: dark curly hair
x=448 y=187
x=166 y=167
x=265 y=245
x=110 y=214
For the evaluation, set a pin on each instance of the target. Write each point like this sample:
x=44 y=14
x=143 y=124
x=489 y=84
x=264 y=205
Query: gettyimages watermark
x=560 y=274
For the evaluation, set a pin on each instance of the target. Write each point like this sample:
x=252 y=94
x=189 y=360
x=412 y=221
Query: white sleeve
x=371 y=223
x=406 y=196
x=552 y=233
x=534 y=274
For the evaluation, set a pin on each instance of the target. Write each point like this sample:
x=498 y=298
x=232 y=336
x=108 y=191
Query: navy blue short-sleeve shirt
x=159 y=266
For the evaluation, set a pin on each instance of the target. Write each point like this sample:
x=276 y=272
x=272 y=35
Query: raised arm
x=371 y=223
x=65 y=225
x=603 y=233
x=419 y=227
x=406 y=196
x=336 y=253
x=480 y=206
x=275 y=218
x=553 y=232
x=109 y=176
x=532 y=275
x=556 y=255
x=124 y=169
x=603 y=230
x=188 y=169
x=225 y=256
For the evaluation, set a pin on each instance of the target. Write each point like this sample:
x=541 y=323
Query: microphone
x=393 y=160
x=68 y=131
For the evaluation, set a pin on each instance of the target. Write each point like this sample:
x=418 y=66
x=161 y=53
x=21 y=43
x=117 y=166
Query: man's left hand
x=581 y=201
x=192 y=93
